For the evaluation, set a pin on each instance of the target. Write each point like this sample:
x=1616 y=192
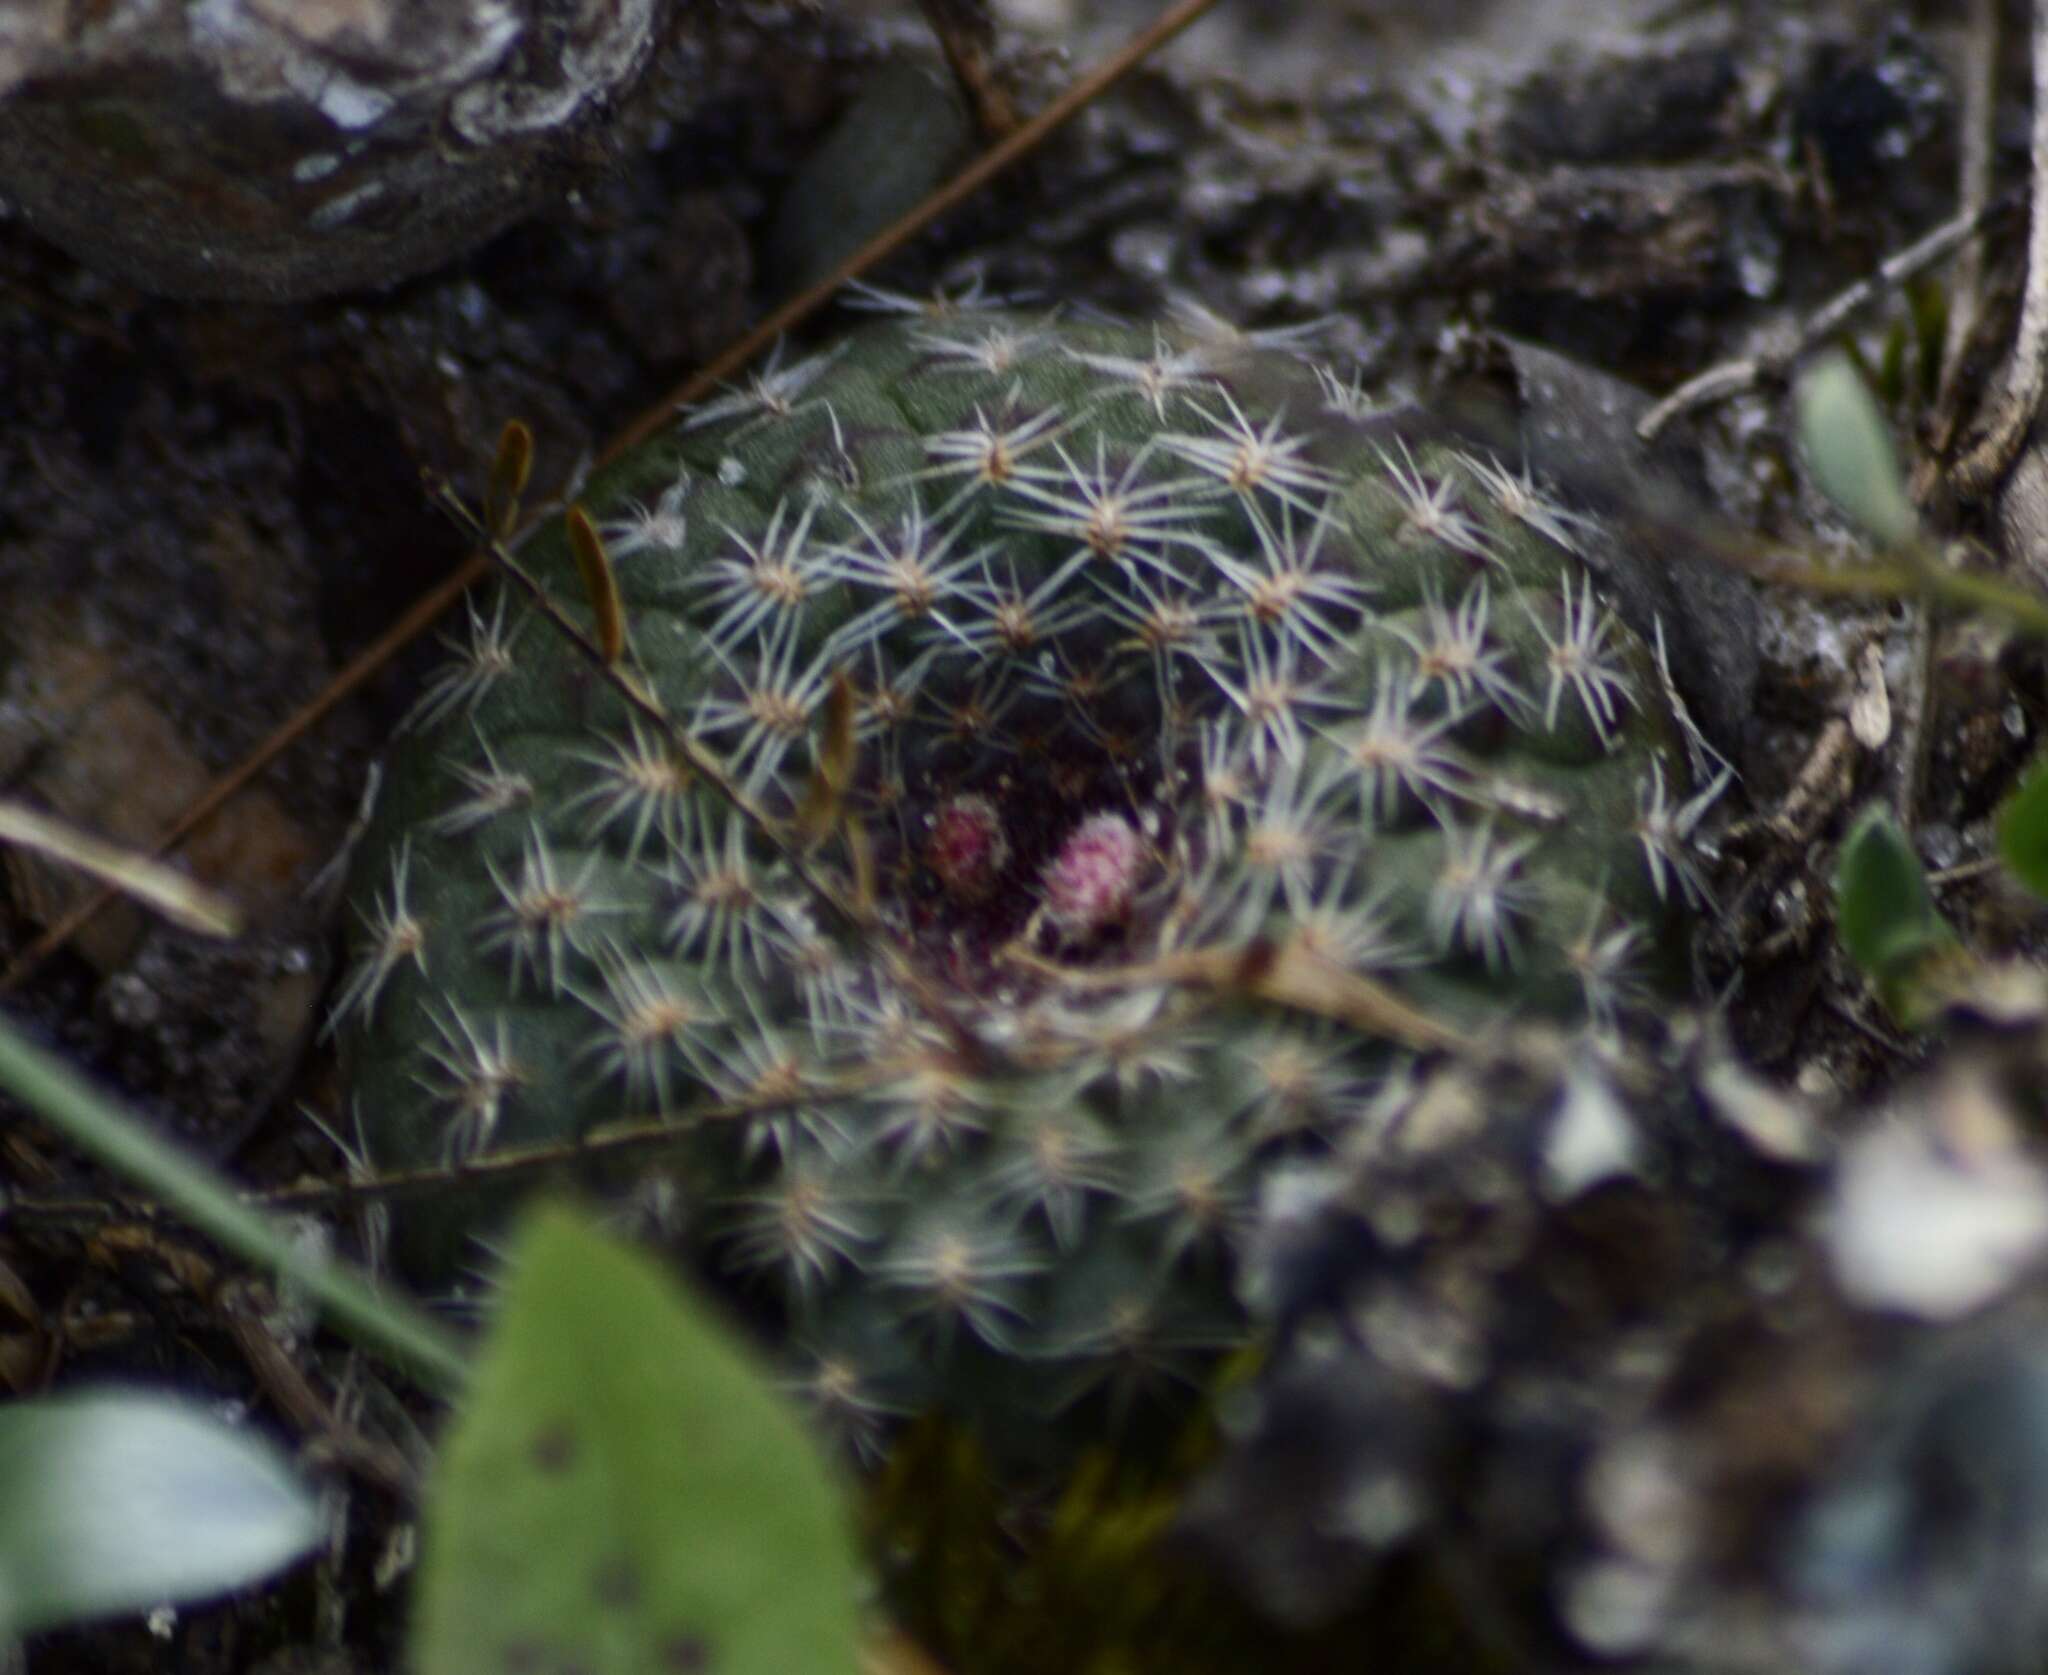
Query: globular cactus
x=1053 y=771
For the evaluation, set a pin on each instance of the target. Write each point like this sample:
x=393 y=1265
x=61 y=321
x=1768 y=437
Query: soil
x=206 y=511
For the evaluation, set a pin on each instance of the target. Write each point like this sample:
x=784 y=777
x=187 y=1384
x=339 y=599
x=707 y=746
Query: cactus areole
x=1087 y=757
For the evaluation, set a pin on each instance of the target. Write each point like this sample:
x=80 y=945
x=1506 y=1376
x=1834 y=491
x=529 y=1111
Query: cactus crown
x=1108 y=748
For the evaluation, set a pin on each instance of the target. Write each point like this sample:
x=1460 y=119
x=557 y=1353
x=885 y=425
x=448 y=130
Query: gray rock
x=1578 y=425
x=280 y=149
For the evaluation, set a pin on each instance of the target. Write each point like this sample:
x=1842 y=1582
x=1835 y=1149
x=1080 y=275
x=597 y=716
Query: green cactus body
x=1198 y=714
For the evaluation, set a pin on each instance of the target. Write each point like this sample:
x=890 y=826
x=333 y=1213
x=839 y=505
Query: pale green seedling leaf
x=1850 y=449
x=2023 y=830
x=1886 y=915
x=624 y=1492
x=120 y=1501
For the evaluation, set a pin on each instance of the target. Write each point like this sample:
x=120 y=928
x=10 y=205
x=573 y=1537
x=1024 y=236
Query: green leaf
x=2023 y=830
x=624 y=1491
x=1927 y=300
x=1850 y=449
x=122 y=1501
x=1886 y=915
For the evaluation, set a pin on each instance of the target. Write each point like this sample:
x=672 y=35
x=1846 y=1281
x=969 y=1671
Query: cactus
x=1098 y=754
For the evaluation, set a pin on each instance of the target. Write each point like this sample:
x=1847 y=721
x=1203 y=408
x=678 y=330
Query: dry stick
x=967 y=36
x=1973 y=190
x=292 y=1390
x=425 y=610
x=629 y=1136
x=1731 y=378
x=950 y=196
x=1290 y=975
x=1915 y=702
x=1989 y=459
x=1964 y=871
x=1911 y=705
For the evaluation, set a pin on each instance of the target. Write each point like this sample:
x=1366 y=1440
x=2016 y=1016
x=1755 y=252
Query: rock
x=280 y=149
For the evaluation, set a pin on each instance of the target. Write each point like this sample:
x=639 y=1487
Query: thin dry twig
x=1287 y=974
x=1917 y=699
x=427 y=609
x=1732 y=378
x=1974 y=140
x=1290 y=975
x=967 y=36
x=1823 y=784
x=291 y=1389
x=950 y=196
x=628 y=1136
x=1912 y=706
x=1982 y=466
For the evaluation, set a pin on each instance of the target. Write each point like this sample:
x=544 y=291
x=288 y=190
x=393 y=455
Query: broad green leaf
x=1850 y=449
x=121 y=1501
x=1886 y=916
x=2023 y=830
x=623 y=1492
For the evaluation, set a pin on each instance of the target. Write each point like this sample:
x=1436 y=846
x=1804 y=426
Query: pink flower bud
x=966 y=846
x=1090 y=884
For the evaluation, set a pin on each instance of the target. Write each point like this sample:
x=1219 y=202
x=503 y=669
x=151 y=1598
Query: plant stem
x=1911 y=578
x=376 y=1319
